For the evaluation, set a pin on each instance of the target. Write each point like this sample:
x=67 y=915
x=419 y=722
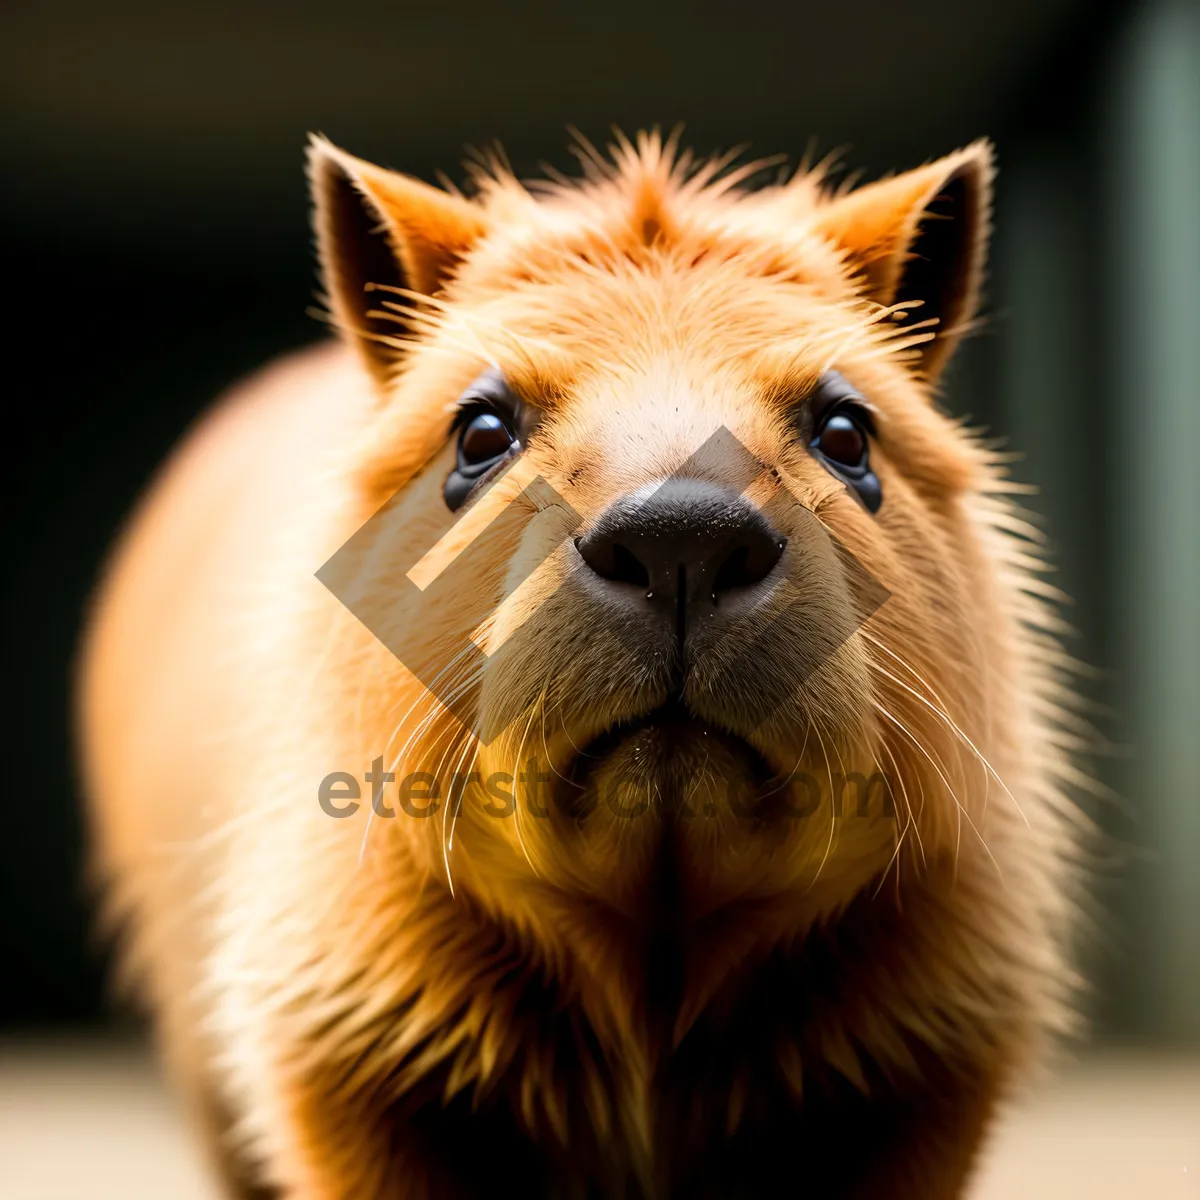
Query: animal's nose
x=684 y=547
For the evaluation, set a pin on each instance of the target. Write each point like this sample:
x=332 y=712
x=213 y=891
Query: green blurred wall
x=1100 y=390
x=1153 y=124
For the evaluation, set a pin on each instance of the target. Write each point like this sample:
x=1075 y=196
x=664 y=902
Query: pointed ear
x=921 y=236
x=376 y=227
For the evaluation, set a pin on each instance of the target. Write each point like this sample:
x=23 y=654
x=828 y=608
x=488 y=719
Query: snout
x=680 y=552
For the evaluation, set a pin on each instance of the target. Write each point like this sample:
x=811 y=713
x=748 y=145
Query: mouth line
x=672 y=714
x=669 y=718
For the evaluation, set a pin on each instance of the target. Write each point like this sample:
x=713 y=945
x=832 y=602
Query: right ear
x=376 y=227
x=921 y=236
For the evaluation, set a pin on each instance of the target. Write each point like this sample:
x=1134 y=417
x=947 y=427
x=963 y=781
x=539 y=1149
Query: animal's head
x=667 y=450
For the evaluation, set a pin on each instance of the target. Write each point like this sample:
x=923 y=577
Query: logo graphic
x=402 y=613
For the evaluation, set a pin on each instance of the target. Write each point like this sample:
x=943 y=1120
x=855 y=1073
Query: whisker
x=953 y=726
x=962 y=812
x=913 y=819
x=422 y=725
x=458 y=800
x=517 y=806
x=832 y=818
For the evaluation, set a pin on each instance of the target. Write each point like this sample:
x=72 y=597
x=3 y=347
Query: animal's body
x=557 y=994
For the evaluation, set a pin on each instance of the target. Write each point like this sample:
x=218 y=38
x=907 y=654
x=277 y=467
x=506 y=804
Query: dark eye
x=484 y=442
x=843 y=440
x=843 y=428
x=484 y=438
x=491 y=425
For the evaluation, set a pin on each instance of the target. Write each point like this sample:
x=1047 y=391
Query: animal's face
x=675 y=446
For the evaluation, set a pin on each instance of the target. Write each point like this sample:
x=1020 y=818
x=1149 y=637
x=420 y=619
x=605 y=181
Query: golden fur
x=369 y=1007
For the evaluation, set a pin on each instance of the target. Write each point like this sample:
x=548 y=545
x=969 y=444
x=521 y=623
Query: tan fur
x=419 y=1007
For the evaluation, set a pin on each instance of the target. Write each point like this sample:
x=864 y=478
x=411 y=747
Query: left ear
x=921 y=236
x=377 y=228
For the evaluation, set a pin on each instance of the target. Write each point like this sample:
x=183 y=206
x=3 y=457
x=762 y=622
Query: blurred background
x=155 y=246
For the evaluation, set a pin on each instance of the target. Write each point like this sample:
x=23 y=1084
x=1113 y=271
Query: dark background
x=155 y=246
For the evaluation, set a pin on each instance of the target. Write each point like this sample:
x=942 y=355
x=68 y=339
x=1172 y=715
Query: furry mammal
x=560 y=998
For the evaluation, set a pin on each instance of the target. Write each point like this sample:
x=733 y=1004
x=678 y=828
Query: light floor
x=86 y=1122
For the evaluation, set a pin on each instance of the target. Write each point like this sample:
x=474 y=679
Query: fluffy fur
x=575 y=1004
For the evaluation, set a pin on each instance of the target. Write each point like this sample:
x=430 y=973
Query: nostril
x=627 y=568
x=748 y=563
x=732 y=572
x=614 y=561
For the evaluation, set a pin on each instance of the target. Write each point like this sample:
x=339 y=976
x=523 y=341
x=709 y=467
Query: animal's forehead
x=611 y=274
x=756 y=238
x=577 y=302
